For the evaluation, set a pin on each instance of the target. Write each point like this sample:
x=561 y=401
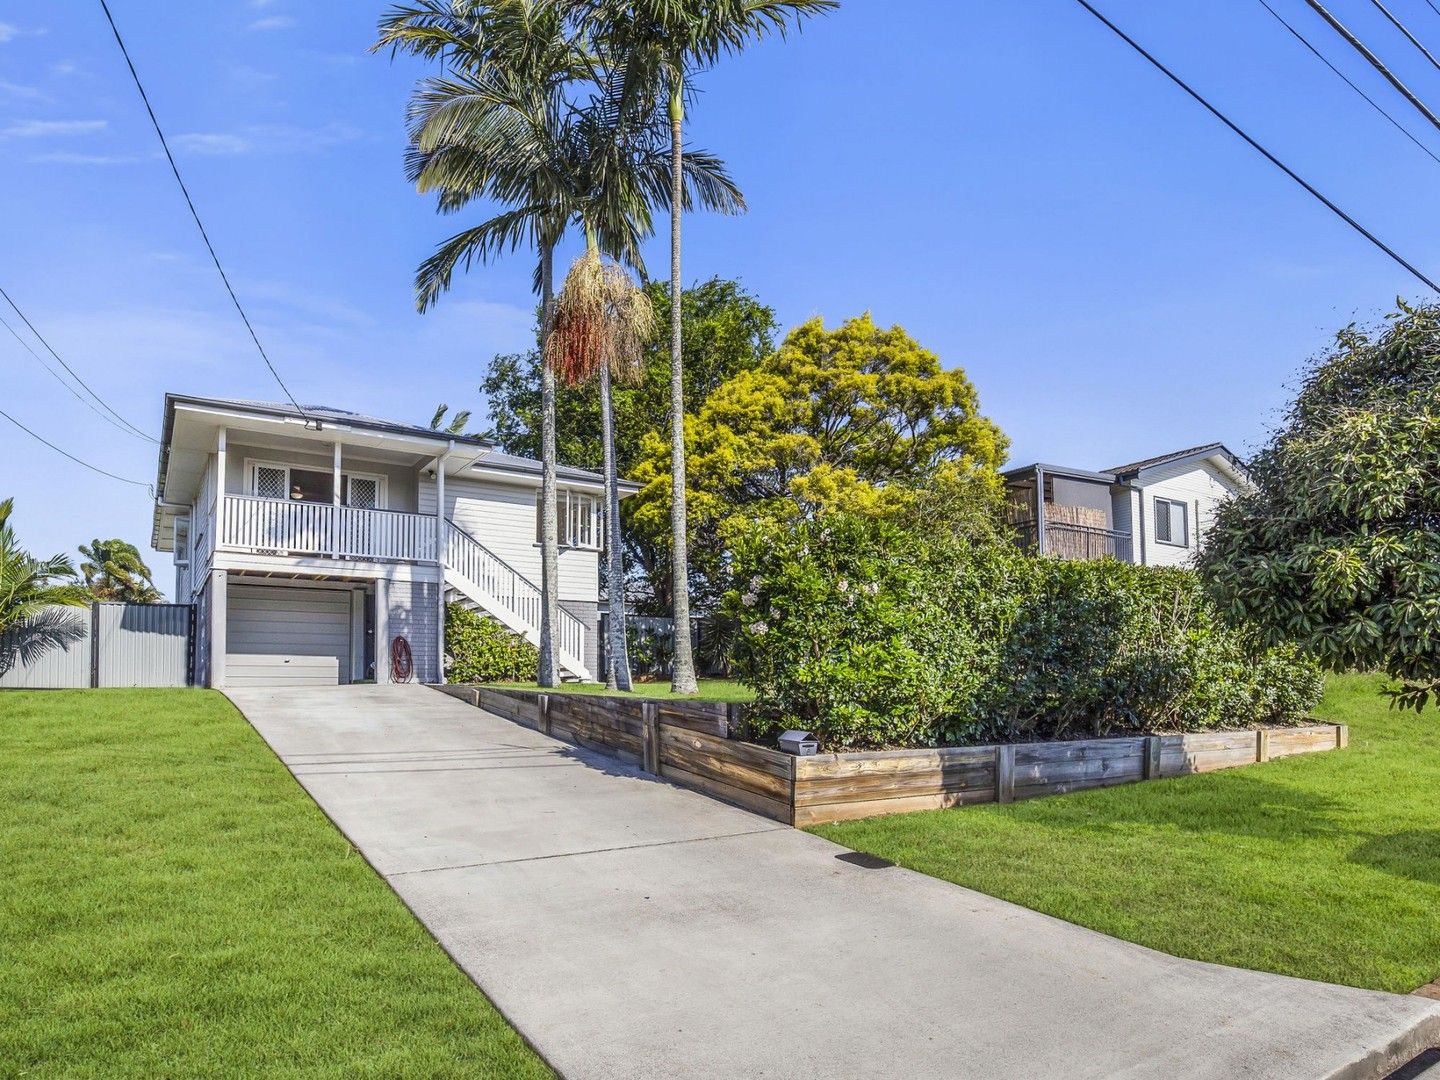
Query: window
x=362 y=492
x=577 y=519
x=291 y=483
x=271 y=482
x=1172 y=522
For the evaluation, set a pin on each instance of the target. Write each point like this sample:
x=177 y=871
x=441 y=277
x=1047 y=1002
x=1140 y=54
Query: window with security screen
x=270 y=482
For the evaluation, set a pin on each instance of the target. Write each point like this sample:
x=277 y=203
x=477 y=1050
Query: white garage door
x=285 y=636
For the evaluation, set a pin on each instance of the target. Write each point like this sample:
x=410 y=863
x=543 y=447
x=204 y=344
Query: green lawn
x=173 y=904
x=710 y=690
x=1325 y=866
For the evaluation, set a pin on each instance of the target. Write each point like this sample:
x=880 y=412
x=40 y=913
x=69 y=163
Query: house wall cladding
x=112 y=645
x=502 y=517
x=414 y=615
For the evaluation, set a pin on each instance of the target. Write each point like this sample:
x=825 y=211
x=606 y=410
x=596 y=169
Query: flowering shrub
x=479 y=649
x=873 y=637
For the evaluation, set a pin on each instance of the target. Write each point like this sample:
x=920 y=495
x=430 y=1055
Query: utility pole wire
x=1405 y=30
x=195 y=213
x=61 y=380
x=48 y=348
x=1268 y=155
x=72 y=457
x=1373 y=103
x=1375 y=62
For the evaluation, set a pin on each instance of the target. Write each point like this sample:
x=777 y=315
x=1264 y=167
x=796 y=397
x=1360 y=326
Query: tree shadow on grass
x=1237 y=804
x=1411 y=853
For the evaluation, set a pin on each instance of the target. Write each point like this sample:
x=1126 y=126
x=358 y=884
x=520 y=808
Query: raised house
x=319 y=546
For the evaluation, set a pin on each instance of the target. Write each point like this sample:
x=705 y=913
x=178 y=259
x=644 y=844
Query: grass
x=173 y=904
x=1324 y=866
x=710 y=690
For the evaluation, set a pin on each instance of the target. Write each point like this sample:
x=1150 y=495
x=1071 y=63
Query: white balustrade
x=294 y=527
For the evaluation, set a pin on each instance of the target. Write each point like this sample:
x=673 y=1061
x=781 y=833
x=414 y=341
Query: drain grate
x=866 y=862
x=1427 y=1064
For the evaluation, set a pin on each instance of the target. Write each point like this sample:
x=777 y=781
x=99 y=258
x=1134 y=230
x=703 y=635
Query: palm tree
x=457 y=423
x=666 y=41
x=602 y=324
x=532 y=117
x=33 y=596
x=499 y=55
x=114 y=570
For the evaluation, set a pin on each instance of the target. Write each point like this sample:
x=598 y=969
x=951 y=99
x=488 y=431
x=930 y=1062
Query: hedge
x=872 y=637
x=479 y=649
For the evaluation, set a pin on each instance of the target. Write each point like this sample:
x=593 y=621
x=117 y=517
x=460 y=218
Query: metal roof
x=1208 y=450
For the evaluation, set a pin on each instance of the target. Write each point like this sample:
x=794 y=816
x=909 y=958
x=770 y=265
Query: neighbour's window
x=1172 y=522
x=577 y=519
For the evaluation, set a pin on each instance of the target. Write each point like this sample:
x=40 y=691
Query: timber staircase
x=477 y=578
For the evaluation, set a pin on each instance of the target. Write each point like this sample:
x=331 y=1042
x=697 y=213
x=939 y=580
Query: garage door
x=284 y=636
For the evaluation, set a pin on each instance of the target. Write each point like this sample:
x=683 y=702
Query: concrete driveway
x=632 y=929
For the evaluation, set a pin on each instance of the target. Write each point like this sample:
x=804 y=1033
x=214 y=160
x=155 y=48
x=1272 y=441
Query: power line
x=1375 y=61
x=195 y=213
x=1408 y=35
x=50 y=349
x=1373 y=103
x=72 y=457
x=61 y=380
x=1268 y=155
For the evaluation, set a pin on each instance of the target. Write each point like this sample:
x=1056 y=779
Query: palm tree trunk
x=548 y=674
x=682 y=679
x=617 y=651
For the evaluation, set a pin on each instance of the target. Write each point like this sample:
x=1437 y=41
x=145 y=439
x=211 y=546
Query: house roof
x=1021 y=472
x=499 y=461
x=328 y=412
x=1208 y=450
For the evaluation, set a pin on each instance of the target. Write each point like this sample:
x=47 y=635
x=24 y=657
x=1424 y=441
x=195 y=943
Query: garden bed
x=691 y=743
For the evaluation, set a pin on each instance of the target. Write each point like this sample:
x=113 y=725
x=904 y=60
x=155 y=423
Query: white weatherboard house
x=311 y=539
x=1153 y=512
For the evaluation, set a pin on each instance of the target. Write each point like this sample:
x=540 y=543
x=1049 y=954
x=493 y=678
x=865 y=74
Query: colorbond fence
x=690 y=743
x=107 y=645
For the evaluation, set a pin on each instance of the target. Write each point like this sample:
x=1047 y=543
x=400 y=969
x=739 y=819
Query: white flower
x=872 y=587
x=843 y=585
x=755 y=583
x=758 y=628
x=749 y=599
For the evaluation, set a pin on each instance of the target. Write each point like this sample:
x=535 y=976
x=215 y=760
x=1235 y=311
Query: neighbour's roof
x=1123 y=473
x=1207 y=450
x=1020 y=472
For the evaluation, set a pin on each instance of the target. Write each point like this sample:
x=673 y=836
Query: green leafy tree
x=858 y=419
x=727 y=331
x=1337 y=546
x=114 y=570
x=664 y=42
x=34 y=596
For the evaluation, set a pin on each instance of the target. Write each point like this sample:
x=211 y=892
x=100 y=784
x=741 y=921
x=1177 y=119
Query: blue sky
x=1118 y=274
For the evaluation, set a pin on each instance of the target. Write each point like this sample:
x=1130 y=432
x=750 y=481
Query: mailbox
x=800 y=743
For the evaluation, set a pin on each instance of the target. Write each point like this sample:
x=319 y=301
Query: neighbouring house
x=1153 y=512
x=311 y=540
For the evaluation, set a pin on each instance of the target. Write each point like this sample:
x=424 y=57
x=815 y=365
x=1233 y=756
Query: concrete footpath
x=632 y=929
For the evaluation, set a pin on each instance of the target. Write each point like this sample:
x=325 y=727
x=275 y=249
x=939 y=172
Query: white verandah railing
x=285 y=527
